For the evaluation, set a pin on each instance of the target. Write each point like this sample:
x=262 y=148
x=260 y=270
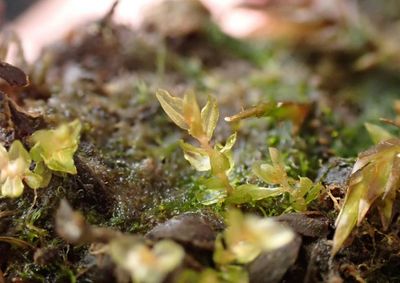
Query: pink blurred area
x=50 y=20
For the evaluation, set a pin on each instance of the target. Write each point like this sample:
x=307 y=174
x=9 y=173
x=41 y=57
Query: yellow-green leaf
x=33 y=180
x=249 y=192
x=173 y=107
x=267 y=173
x=209 y=116
x=192 y=115
x=146 y=265
x=248 y=235
x=12 y=187
x=197 y=157
x=377 y=133
x=17 y=151
x=374 y=180
x=219 y=162
x=57 y=147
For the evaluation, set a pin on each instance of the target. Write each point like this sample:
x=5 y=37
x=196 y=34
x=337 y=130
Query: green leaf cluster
x=146 y=264
x=301 y=192
x=200 y=124
x=374 y=181
x=51 y=151
x=247 y=236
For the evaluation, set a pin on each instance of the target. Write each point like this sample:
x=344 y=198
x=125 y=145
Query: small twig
x=390 y=122
x=334 y=200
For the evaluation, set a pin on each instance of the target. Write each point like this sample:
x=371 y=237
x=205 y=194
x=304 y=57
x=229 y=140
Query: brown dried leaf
x=73 y=228
x=15 y=123
x=13 y=75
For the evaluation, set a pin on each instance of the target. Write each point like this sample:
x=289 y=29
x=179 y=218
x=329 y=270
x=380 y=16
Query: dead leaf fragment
x=13 y=75
x=16 y=123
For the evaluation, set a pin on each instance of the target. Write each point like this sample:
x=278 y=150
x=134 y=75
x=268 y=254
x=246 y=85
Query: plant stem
x=205 y=144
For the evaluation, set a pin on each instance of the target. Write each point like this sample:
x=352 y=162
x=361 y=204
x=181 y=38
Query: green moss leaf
x=33 y=180
x=374 y=180
x=173 y=106
x=209 y=116
x=56 y=148
x=197 y=157
x=192 y=115
x=45 y=174
x=248 y=193
x=146 y=265
x=377 y=133
x=14 y=167
x=214 y=192
x=12 y=187
x=219 y=162
x=267 y=173
x=246 y=236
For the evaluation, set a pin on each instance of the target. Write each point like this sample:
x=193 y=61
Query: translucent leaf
x=303 y=186
x=276 y=158
x=17 y=151
x=314 y=192
x=347 y=218
x=298 y=204
x=57 y=147
x=197 y=157
x=173 y=107
x=219 y=162
x=385 y=207
x=267 y=173
x=230 y=142
x=44 y=172
x=33 y=180
x=247 y=236
x=215 y=190
x=12 y=187
x=15 y=167
x=377 y=133
x=374 y=180
x=144 y=264
x=211 y=195
x=234 y=274
x=191 y=113
x=221 y=255
x=275 y=173
x=248 y=193
x=226 y=149
x=209 y=116
x=61 y=161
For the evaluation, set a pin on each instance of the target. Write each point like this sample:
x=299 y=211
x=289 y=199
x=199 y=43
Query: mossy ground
x=131 y=171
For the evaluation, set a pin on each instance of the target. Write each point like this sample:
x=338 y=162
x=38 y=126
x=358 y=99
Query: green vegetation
x=144 y=264
x=52 y=151
x=258 y=195
x=186 y=114
x=374 y=181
